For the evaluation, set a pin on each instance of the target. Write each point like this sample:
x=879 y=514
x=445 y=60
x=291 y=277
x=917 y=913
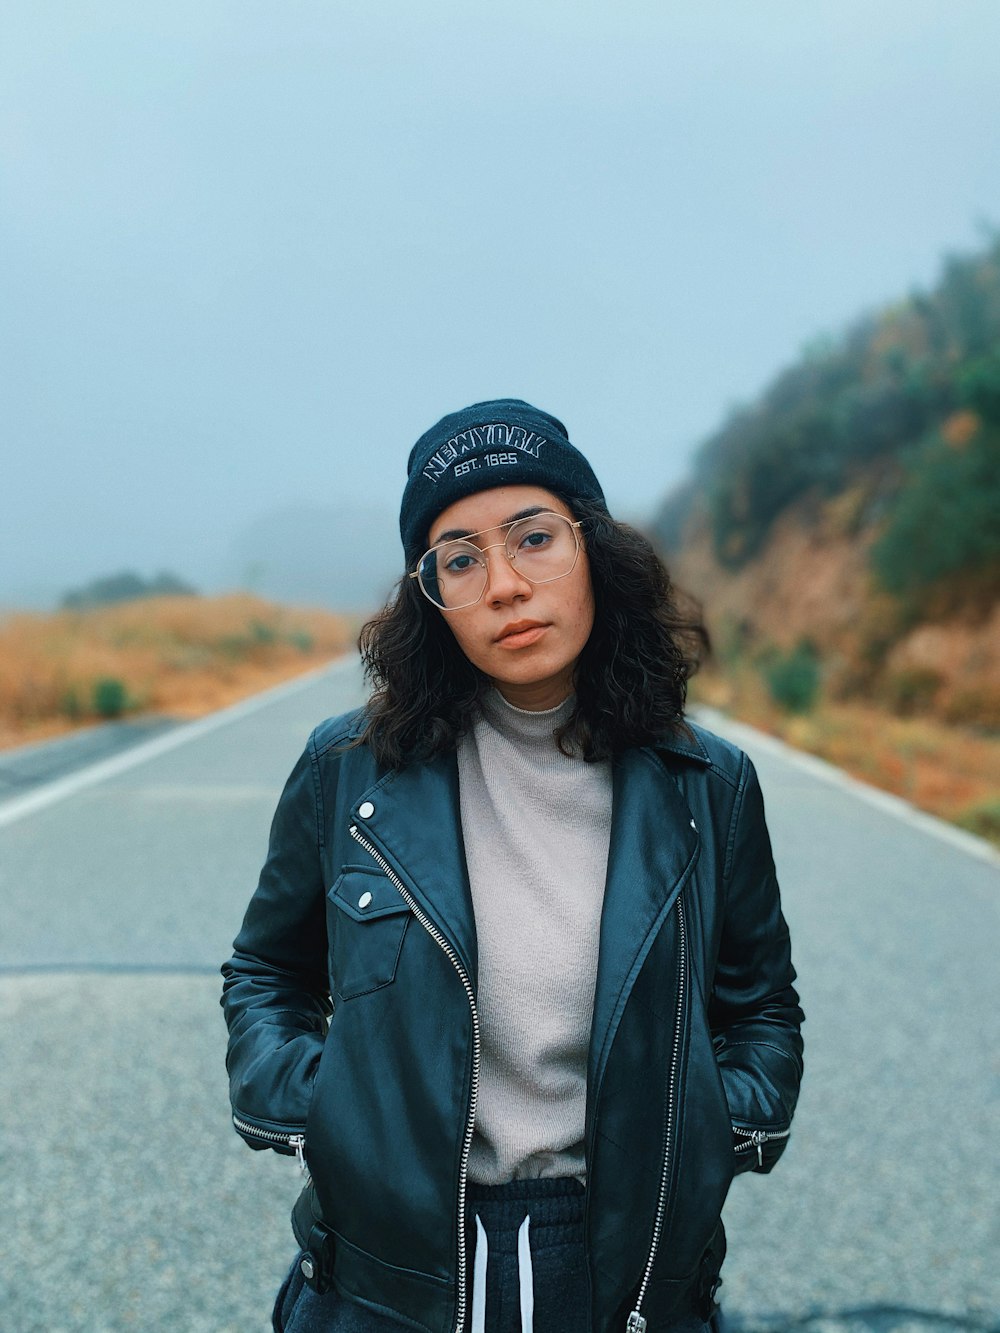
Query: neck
x=536 y=696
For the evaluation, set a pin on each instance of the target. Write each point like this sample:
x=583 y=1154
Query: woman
x=544 y=908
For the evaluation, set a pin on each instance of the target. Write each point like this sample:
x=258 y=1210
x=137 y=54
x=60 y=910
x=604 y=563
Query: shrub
x=262 y=633
x=69 y=703
x=982 y=818
x=979 y=386
x=945 y=520
x=912 y=690
x=975 y=707
x=235 y=646
x=794 y=678
x=110 y=697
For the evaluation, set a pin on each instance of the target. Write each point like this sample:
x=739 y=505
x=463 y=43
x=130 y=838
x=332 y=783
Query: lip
x=521 y=634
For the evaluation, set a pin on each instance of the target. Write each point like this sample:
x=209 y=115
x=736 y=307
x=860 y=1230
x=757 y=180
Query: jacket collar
x=688 y=744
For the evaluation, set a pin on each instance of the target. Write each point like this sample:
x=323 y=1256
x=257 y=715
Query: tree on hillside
x=945 y=523
x=126 y=586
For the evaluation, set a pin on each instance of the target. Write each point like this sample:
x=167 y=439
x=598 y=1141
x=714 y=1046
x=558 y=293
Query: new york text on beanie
x=503 y=442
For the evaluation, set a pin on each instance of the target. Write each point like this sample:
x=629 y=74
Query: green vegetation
x=262 y=633
x=946 y=519
x=124 y=587
x=793 y=679
x=979 y=386
x=911 y=691
x=983 y=819
x=906 y=407
x=110 y=697
x=70 y=704
x=260 y=636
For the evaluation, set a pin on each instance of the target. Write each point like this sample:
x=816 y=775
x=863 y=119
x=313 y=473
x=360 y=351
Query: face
x=525 y=636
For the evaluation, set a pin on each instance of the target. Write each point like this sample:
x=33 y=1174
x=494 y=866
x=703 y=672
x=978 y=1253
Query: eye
x=534 y=539
x=539 y=535
x=460 y=562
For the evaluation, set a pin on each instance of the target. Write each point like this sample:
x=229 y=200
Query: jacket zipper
x=463 y=976
x=293 y=1140
x=756 y=1138
x=636 y=1322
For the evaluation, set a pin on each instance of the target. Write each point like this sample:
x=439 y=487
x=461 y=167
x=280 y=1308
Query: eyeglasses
x=542 y=548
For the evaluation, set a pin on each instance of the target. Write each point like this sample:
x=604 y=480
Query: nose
x=506 y=583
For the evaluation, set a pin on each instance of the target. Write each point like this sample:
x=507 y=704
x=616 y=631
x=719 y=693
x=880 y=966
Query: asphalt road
x=127 y=1202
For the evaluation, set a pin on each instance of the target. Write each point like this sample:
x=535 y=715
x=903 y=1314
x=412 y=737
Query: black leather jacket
x=695 y=1053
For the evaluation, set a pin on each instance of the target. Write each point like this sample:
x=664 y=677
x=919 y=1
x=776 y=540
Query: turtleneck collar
x=524 y=725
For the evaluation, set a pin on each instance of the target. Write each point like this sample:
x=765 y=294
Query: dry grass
x=184 y=656
x=950 y=771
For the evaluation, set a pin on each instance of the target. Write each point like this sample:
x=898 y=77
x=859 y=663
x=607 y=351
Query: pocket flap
x=366 y=894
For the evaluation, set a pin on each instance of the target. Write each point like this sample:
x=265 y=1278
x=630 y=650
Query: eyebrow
x=456 y=534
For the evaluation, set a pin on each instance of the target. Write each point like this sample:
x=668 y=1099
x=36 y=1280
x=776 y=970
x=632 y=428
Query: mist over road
x=129 y=1202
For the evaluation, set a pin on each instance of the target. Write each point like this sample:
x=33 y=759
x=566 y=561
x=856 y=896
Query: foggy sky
x=249 y=251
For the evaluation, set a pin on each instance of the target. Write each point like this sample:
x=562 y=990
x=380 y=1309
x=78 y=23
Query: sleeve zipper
x=756 y=1138
x=293 y=1139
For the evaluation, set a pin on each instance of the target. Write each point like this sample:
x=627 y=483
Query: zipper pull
x=298 y=1142
x=758 y=1138
x=636 y=1323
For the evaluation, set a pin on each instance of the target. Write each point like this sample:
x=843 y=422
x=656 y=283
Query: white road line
x=752 y=739
x=51 y=792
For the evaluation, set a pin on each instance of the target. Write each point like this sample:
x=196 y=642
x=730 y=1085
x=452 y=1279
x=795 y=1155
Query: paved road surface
x=31 y=766
x=128 y=1203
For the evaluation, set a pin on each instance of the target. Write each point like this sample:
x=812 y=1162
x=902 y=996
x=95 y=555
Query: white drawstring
x=479 y=1280
x=524 y=1275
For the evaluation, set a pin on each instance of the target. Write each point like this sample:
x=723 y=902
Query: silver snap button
x=308 y=1268
x=366 y=810
x=693 y=824
x=365 y=900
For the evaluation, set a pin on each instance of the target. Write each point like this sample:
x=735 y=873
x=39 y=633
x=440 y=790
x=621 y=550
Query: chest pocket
x=366 y=926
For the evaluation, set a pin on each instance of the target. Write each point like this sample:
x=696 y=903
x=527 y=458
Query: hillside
x=857 y=505
x=843 y=532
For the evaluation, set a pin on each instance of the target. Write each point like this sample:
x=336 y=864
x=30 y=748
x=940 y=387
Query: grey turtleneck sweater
x=536 y=826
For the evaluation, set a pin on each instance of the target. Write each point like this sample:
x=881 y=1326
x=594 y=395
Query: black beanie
x=505 y=442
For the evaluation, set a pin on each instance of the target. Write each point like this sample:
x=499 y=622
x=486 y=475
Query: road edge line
x=886 y=801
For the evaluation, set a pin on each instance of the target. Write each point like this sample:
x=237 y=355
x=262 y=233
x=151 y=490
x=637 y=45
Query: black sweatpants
x=533 y=1259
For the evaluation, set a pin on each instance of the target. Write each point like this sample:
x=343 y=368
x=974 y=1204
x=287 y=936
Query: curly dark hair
x=631 y=677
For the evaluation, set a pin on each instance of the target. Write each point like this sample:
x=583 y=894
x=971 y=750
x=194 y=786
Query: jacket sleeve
x=275 y=995
x=754 y=1008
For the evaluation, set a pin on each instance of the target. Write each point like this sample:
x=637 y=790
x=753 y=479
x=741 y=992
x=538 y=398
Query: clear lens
x=541 y=548
x=453 y=575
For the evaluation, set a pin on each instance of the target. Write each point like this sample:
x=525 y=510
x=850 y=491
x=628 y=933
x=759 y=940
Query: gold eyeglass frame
x=574 y=525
